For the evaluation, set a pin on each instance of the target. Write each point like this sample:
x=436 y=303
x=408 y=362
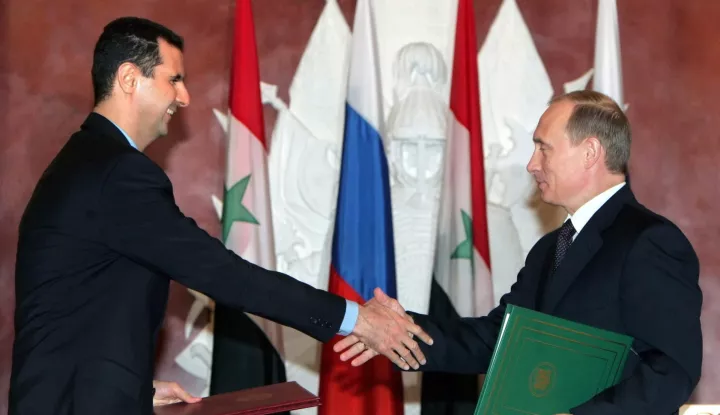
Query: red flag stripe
x=465 y=104
x=370 y=389
x=245 y=100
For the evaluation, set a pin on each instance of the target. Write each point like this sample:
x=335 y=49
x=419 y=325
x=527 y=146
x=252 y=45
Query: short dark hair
x=128 y=39
x=596 y=114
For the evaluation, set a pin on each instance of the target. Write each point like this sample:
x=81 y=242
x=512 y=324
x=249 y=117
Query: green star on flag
x=465 y=249
x=233 y=209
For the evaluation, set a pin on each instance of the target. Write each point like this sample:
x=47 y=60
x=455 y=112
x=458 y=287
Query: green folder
x=545 y=365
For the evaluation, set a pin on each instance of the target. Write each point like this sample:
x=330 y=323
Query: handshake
x=383 y=327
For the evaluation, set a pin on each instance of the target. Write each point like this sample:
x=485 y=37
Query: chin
x=546 y=198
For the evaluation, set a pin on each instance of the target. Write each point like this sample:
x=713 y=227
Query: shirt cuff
x=351 y=315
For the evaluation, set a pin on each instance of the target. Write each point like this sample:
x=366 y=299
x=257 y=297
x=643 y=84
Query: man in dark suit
x=102 y=237
x=613 y=264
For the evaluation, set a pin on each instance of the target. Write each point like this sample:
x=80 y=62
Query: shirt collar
x=132 y=143
x=582 y=216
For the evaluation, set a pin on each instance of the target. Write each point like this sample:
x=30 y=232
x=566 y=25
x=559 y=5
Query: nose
x=183 y=96
x=533 y=165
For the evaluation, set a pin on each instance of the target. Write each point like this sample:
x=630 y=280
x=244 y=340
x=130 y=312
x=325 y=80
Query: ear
x=127 y=77
x=593 y=152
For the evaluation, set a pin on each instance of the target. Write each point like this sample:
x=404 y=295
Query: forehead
x=172 y=57
x=555 y=119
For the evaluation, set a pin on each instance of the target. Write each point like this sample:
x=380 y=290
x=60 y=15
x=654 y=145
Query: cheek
x=169 y=94
x=546 y=163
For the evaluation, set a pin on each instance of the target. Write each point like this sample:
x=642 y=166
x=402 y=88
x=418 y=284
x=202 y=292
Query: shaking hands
x=384 y=328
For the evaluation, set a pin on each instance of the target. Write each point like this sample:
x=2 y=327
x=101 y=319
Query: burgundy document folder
x=269 y=399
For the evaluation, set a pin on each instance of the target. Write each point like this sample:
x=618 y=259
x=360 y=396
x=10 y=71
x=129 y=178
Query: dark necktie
x=567 y=230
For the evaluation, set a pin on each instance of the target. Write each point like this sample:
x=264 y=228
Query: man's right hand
x=383 y=326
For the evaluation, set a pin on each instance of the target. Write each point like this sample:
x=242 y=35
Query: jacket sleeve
x=466 y=345
x=661 y=302
x=143 y=223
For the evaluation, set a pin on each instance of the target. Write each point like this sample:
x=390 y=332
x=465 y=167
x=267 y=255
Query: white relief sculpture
x=514 y=90
x=196 y=357
x=416 y=134
x=401 y=22
x=416 y=131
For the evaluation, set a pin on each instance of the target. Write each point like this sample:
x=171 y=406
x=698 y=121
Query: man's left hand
x=170 y=392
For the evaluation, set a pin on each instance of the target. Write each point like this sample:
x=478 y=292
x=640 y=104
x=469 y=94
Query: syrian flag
x=461 y=285
x=363 y=254
x=247 y=349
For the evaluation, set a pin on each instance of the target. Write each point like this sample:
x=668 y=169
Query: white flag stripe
x=255 y=243
x=608 y=64
x=470 y=292
x=364 y=79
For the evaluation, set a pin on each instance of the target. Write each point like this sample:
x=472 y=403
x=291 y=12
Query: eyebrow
x=538 y=140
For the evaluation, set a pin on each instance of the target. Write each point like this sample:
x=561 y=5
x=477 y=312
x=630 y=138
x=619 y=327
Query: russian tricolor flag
x=363 y=255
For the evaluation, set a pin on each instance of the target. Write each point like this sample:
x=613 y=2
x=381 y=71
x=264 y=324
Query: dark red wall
x=671 y=58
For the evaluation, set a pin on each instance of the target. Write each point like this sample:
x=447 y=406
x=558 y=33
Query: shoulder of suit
x=638 y=218
x=103 y=151
x=635 y=220
x=134 y=162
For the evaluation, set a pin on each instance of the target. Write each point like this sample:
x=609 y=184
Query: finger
x=404 y=353
x=394 y=357
x=409 y=358
x=365 y=357
x=414 y=348
x=182 y=394
x=355 y=350
x=418 y=331
x=408 y=348
x=345 y=343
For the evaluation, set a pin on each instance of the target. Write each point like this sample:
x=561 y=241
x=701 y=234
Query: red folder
x=269 y=399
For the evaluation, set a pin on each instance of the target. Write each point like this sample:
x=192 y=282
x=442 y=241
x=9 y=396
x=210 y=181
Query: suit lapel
x=583 y=249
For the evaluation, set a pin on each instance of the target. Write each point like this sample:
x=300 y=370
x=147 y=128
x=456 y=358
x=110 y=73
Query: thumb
x=183 y=395
x=387 y=301
x=381 y=296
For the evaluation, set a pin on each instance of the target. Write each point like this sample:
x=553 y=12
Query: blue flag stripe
x=363 y=250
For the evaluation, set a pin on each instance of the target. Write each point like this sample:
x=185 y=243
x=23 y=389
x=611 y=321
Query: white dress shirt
x=582 y=216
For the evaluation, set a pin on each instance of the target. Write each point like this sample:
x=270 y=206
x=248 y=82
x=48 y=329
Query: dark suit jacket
x=629 y=271
x=99 y=242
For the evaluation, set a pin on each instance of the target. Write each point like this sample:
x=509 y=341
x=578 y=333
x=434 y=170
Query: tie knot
x=567 y=230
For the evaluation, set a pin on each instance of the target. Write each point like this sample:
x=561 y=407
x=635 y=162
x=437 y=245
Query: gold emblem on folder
x=542 y=379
